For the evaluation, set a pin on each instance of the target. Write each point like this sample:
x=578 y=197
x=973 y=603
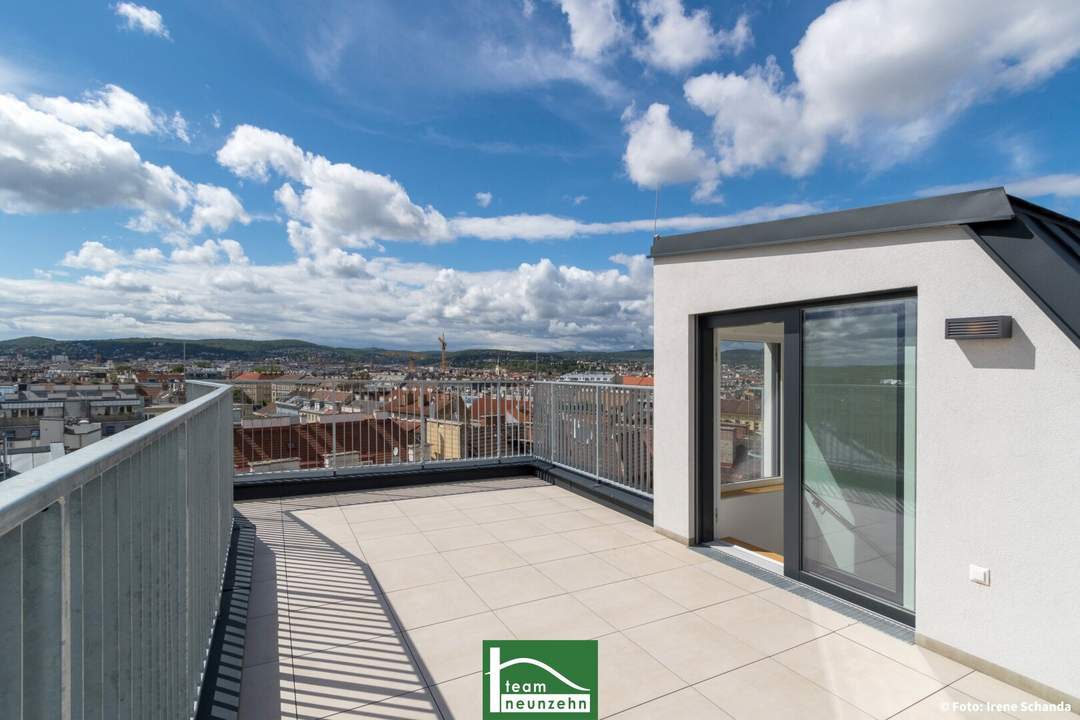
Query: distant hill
x=128 y=349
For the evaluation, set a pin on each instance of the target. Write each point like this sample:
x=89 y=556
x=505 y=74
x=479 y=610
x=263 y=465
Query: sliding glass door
x=858 y=435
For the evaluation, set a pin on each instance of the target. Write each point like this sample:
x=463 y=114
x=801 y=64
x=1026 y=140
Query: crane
x=442 y=357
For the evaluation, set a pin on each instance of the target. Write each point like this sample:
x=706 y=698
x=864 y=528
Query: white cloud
x=884 y=77
x=380 y=301
x=660 y=153
x=179 y=127
x=103 y=111
x=340 y=205
x=48 y=163
x=137 y=17
x=579 y=199
x=756 y=122
x=215 y=120
x=93 y=255
x=483 y=199
x=528 y=7
x=554 y=227
x=215 y=208
x=594 y=26
x=676 y=41
x=149 y=255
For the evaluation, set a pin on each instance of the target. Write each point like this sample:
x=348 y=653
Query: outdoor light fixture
x=978 y=328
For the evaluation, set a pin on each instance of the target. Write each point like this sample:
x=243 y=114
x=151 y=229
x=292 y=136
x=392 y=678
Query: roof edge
x=989 y=204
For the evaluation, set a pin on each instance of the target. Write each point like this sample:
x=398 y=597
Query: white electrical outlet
x=979 y=575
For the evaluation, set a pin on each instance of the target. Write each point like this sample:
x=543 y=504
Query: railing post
x=596 y=432
x=423 y=424
x=498 y=418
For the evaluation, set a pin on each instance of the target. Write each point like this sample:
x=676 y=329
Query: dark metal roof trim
x=956 y=209
x=1040 y=250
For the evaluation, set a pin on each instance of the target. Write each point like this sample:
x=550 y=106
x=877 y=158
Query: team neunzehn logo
x=540 y=679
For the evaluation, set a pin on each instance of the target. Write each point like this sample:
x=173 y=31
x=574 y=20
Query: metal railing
x=602 y=431
x=111 y=564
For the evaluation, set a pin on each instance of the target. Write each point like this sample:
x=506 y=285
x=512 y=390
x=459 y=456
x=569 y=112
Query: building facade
x=816 y=417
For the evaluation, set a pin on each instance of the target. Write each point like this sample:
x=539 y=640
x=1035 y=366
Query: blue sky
x=377 y=173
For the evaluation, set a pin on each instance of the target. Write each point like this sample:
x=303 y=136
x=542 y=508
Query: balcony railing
x=601 y=431
x=111 y=563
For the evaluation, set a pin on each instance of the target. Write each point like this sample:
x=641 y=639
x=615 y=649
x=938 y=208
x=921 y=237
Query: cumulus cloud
x=483 y=199
x=212 y=289
x=339 y=205
x=58 y=155
x=884 y=76
x=676 y=40
x=660 y=153
x=103 y=111
x=756 y=122
x=143 y=19
x=595 y=26
x=92 y=255
x=215 y=208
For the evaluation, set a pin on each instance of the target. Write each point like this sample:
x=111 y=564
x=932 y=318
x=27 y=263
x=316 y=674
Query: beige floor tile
x=545 y=548
x=766 y=690
x=441 y=520
x=534 y=508
x=918 y=658
x=412 y=572
x=692 y=588
x=761 y=624
x=431 y=604
x=460 y=699
x=348 y=676
x=638 y=530
x=507 y=530
x=605 y=515
x=415 y=705
x=629 y=676
x=324 y=626
x=397 y=547
x=599 y=538
x=562 y=617
x=452 y=649
x=512 y=587
x=686 y=704
x=950 y=704
x=692 y=648
x=475 y=499
x=381 y=527
x=868 y=680
x=483 y=559
x=734 y=576
x=424 y=506
x=581 y=572
x=680 y=552
x=492 y=513
x=628 y=603
x=371 y=511
x=638 y=560
x=988 y=689
x=318 y=516
x=566 y=521
x=818 y=614
x=460 y=537
x=573 y=501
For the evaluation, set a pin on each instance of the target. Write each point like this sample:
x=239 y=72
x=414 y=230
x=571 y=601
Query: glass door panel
x=858 y=439
x=748 y=488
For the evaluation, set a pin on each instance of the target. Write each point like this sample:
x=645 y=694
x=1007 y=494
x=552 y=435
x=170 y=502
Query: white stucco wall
x=998 y=439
